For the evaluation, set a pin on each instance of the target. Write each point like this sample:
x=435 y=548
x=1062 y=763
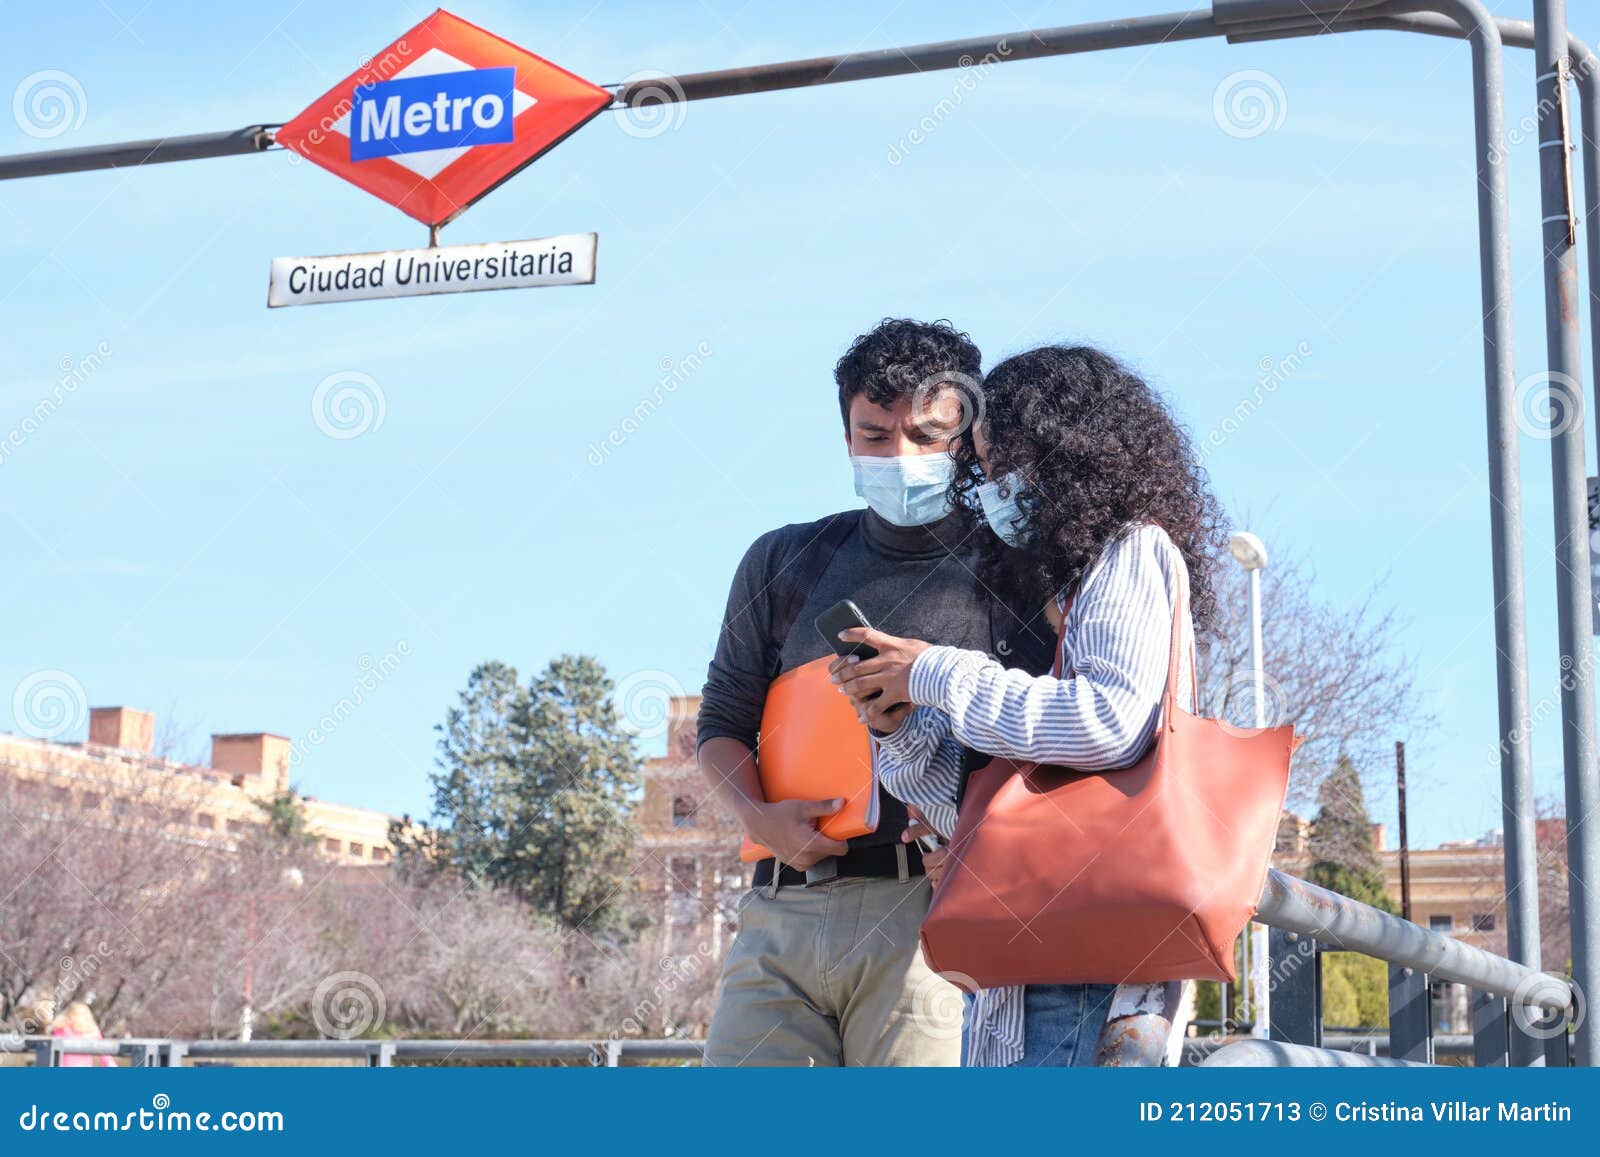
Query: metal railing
x=162 y=1052
x=1510 y=1000
x=1305 y=921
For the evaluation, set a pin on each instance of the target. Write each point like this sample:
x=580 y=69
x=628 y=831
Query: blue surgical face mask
x=910 y=490
x=1003 y=515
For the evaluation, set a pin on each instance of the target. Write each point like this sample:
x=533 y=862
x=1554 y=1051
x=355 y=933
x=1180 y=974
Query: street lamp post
x=291 y=879
x=1251 y=553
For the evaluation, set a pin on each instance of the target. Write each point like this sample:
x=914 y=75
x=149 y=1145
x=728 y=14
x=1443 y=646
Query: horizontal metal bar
x=1451 y=1045
x=1338 y=922
x=650 y=91
x=159 y=151
x=1272 y=1054
x=851 y=66
x=1242 y=11
x=436 y=1050
x=413 y=1050
x=234 y=1049
x=1248 y=20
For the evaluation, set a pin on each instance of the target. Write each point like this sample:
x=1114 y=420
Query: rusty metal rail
x=1511 y=1002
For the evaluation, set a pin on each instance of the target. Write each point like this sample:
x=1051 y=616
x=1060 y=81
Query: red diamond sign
x=441 y=116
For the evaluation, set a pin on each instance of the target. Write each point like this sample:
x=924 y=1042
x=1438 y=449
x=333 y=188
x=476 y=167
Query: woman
x=1101 y=514
x=78 y=1023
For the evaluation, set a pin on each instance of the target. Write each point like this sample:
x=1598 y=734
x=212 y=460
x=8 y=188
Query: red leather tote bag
x=1139 y=875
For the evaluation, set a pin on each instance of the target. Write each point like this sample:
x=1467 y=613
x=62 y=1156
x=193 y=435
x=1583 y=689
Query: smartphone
x=843 y=615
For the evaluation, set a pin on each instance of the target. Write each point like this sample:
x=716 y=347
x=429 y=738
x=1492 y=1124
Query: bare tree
x=1336 y=672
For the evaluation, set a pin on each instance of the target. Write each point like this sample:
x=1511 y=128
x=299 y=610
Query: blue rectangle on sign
x=446 y=110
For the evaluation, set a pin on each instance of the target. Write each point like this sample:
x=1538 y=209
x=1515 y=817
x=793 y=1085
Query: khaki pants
x=833 y=975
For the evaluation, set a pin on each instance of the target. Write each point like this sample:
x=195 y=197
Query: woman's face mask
x=909 y=490
x=1002 y=514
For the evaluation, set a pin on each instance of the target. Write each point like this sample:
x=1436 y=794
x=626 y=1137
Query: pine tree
x=535 y=790
x=1343 y=858
x=480 y=760
x=286 y=818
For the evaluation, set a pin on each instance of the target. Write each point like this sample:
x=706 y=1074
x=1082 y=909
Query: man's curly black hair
x=897 y=356
x=1100 y=451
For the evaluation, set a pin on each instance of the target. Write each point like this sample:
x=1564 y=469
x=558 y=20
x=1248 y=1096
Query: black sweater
x=916 y=582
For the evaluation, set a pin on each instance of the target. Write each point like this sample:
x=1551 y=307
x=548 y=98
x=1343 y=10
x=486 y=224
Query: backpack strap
x=799 y=574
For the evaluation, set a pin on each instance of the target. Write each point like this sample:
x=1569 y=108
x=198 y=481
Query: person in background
x=1106 y=520
x=78 y=1022
x=826 y=967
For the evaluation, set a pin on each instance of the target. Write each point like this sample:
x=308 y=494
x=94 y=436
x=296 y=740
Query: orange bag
x=812 y=746
x=1133 y=876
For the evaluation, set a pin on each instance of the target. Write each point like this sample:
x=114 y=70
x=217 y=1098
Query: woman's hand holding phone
x=879 y=687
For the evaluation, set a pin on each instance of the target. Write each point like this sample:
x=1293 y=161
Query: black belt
x=875 y=861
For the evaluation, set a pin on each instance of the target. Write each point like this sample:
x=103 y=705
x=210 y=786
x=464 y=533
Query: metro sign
x=441 y=116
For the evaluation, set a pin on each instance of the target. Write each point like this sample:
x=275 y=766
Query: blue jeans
x=1061 y=1024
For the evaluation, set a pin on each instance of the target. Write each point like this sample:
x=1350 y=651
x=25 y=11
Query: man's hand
x=788 y=829
x=933 y=863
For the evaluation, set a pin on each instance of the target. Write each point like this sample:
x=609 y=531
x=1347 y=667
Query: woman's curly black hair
x=1100 y=452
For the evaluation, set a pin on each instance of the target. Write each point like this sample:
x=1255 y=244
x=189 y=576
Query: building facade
x=216 y=804
x=689 y=844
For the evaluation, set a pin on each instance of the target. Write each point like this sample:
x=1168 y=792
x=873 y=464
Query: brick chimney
x=255 y=759
x=1377 y=837
x=122 y=727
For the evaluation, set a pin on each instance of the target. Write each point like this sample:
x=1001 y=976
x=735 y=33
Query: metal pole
x=1260 y=954
x=157 y=151
x=1255 y=647
x=1505 y=491
x=1574 y=617
x=1031 y=45
x=1469 y=19
x=1405 y=843
x=650 y=91
x=1342 y=924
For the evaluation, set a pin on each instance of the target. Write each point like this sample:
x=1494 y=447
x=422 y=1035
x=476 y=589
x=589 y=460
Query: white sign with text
x=564 y=260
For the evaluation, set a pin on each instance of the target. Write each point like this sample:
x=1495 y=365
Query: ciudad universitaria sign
x=431 y=124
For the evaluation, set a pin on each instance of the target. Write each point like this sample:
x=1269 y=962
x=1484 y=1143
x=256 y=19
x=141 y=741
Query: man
x=826 y=969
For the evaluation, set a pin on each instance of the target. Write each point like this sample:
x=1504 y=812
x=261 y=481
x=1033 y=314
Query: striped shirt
x=1100 y=717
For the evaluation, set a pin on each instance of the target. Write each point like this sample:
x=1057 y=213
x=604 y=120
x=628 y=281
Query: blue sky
x=183 y=535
